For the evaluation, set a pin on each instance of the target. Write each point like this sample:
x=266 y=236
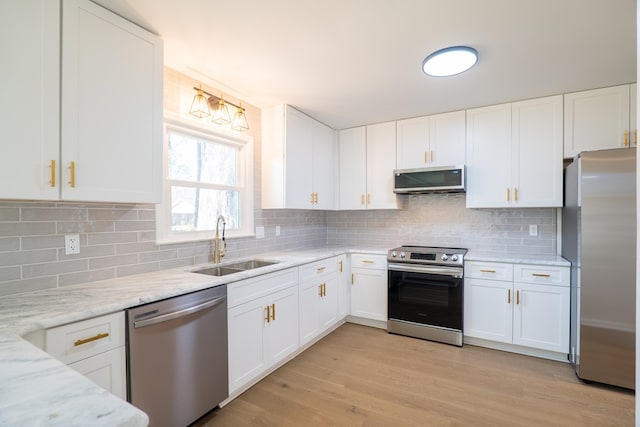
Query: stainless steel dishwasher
x=177 y=356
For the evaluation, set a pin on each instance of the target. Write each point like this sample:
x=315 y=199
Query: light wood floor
x=361 y=376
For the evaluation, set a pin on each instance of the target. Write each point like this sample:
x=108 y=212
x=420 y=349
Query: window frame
x=164 y=234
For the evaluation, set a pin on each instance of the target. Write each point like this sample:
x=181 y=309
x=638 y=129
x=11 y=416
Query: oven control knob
x=402 y=255
x=393 y=254
x=444 y=257
x=454 y=258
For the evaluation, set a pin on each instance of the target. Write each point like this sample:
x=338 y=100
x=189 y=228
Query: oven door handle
x=440 y=271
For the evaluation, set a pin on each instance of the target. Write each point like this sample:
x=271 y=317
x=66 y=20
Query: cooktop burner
x=427 y=255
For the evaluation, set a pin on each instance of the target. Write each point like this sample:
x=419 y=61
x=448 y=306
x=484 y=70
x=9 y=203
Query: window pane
x=199 y=160
x=196 y=209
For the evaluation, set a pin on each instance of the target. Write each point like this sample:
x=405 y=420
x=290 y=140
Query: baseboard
x=367 y=322
x=512 y=348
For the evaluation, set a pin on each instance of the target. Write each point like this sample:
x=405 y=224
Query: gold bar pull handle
x=88 y=340
x=540 y=275
x=626 y=138
x=362 y=199
x=425 y=157
x=72 y=174
x=508 y=194
x=316 y=198
x=517 y=297
x=340 y=266
x=268 y=310
x=312 y=199
x=368 y=199
x=324 y=289
x=273 y=312
x=508 y=296
x=366 y=261
x=352 y=278
x=52 y=182
x=431 y=156
x=635 y=137
x=320 y=269
x=488 y=271
x=320 y=290
x=515 y=194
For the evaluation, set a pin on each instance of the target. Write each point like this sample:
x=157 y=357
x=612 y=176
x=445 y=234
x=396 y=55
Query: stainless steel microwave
x=447 y=179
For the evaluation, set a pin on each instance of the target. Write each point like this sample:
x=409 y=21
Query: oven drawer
x=488 y=270
x=543 y=274
x=378 y=262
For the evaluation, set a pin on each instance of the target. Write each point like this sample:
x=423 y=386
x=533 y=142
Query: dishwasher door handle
x=179 y=313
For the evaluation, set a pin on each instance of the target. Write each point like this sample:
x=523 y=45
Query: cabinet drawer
x=317 y=269
x=256 y=287
x=544 y=274
x=77 y=341
x=378 y=262
x=488 y=270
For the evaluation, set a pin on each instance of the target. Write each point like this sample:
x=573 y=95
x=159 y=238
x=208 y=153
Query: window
x=207 y=173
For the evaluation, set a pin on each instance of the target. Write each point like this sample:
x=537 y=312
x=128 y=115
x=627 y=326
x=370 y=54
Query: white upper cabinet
x=94 y=129
x=599 y=119
x=30 y=100
x=437 y=140
x=514 y=154
x=298 y=161
x=111 y=107
x=366 y=165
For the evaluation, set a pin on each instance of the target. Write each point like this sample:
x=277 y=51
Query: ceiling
x=353 y=62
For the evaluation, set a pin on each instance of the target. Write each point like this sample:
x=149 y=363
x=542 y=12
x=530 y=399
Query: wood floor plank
x=363 y=377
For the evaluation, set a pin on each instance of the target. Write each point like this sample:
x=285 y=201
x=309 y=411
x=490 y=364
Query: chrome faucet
x=220 y=245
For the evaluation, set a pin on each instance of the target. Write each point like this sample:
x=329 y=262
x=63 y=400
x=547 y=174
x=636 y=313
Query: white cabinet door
x=111 y=105
x=537 y=153
x=447 y=136
x=369 y=293
x=30 y=100
x=282 y=329
x=488 y=156
x=298 y=160
x=488 y=309
x=310 y=295
x=324 y=171
x=596 y=120
x=328 y=303
x=412 y=139
x=343 y=286
x=381 y=162
x=108 y=370
x=353 y=168
x=541 y=316
x=246 y=326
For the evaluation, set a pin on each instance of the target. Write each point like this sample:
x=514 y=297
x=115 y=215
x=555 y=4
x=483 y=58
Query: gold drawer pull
x=517 y=297
x=488 y=271
x=366 y=261
x=540 y=275
x=626 y=138
x=508 y=296
x=273 y=312
x=320 y=269
x=268 y=315
x=340 y=264
x=53 y=173
x=72 y=174
x=88 y=340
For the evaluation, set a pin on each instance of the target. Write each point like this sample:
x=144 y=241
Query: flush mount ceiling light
x=450 y=61
x=201 y=107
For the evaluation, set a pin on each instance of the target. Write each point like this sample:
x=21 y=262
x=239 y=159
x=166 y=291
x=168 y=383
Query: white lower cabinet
x=369 y=287
x=318 y=298
x=95 y=348
x=263 y=324
x=519 y=304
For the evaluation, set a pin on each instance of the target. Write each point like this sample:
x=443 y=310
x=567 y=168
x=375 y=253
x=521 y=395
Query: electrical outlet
x=71 y=244
x=277 y=230
x=260 y=232
x=533 y=230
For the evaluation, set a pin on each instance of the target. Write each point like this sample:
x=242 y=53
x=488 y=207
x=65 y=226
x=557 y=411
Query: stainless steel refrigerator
x=599 y=238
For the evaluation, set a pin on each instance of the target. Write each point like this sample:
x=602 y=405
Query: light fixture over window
x=450 y=61
x=200 y=108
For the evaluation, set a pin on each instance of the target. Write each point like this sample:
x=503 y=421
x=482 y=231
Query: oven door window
x=426 y=299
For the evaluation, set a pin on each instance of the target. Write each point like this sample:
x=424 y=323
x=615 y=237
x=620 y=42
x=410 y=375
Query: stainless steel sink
x=237 y=267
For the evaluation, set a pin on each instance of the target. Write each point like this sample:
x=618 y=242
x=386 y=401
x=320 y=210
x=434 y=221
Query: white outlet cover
x=71 y=244
x=260 y=232
x=533 y=230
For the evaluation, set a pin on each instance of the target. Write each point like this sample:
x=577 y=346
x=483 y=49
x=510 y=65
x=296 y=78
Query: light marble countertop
x=38 y=390
x=555 y=260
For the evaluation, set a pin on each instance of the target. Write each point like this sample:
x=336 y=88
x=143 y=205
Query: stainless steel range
x=426 y=287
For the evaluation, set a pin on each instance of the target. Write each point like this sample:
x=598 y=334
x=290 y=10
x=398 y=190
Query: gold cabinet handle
x=352 y=278
x=626 y=138
x=320 y=290
x=72 y=174
x=273 y=312
x=508 y=194
x=88 y=340
x=635 y=137
x=52 y=182
x=515 y=194
x=517 y=297
x=540 y=275
x=488 y=271
x=431 y=156
x=508 y=296
x=366 y=261
x=320 y=269
x=425 y=157
x=340 y=266
x=362 y=199
x=316 y=198
x=268 y=310
x=368 y=199
x=312 y=200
